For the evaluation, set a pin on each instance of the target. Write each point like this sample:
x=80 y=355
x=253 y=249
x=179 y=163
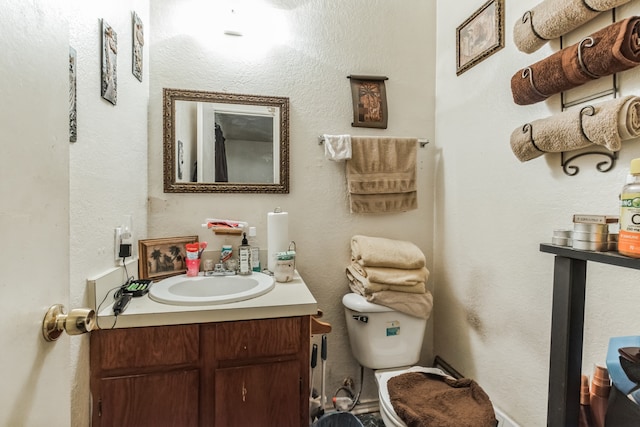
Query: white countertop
x=284 y=300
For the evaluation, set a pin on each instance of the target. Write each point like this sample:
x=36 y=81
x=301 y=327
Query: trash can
x=338 y=419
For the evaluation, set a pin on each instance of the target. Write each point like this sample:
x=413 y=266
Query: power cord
x=117 y=294
x=118 y=291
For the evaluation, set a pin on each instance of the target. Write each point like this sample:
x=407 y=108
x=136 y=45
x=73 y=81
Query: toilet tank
x=381 y=337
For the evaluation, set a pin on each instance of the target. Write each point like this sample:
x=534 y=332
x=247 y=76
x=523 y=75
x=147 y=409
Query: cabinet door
x=167 y=399
x=258 y=395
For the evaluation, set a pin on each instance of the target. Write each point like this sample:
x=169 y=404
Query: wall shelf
x=567 y=319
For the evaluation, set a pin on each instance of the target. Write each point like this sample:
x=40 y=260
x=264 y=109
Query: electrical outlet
x=116 y=243
x=123 y=235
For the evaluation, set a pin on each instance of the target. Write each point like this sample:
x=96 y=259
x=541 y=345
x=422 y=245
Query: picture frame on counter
x=480 y=36
x=163 y=257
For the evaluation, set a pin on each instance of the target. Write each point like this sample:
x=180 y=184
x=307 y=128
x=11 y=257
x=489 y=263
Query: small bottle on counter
x=226 y=258
x=255 y=250
x=629 y=234
x=244 y=256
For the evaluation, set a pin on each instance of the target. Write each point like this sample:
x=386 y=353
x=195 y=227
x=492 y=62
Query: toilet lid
x=384 y=375
x=357 y=302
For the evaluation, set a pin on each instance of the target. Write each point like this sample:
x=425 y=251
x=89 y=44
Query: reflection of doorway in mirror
x=248 y=147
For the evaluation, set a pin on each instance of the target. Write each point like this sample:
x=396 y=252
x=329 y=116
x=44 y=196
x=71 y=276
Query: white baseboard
x=503 y=419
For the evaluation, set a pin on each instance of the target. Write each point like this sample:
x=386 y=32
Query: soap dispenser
x=244 y=256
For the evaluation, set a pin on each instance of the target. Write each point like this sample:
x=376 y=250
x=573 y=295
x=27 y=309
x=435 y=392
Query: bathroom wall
x=303 y=50
x=492 y=285
x=108 y=163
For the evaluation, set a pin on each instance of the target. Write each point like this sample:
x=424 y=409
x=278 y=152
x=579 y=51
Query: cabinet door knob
x=244 y=392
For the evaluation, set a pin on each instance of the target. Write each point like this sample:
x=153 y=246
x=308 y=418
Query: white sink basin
x=206 y=290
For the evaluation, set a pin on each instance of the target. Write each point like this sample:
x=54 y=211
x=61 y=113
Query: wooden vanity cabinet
x=242 y=373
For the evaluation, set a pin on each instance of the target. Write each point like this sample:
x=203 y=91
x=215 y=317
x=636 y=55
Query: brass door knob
x=78 y=321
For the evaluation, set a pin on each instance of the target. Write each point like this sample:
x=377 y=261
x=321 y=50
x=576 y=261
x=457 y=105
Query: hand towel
x=614 y=48
x=381 y=175
x=392 y=276
x=551 y=19
x=363 y=286
x=382 y=252
x=607 y=124
x=417 y=305
x=424 y=399
x=337 y=147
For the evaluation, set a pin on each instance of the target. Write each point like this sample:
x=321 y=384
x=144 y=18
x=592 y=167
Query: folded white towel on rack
x=337 y=147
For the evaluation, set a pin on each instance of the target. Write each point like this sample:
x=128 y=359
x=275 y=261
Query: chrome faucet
x=219 y=270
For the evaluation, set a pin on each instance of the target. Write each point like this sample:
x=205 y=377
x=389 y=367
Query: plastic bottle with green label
x=629 y=237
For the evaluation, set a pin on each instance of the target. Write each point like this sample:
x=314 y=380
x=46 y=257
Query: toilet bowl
x=387 y=341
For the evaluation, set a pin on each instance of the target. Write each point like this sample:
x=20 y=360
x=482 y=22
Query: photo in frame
x=138 y=44
x=369 y=97
x=480 y=36
x=109 y=75
x=162 y=258
x=73 y=83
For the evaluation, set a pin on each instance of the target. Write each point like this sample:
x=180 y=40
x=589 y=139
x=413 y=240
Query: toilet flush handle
x=364 y=319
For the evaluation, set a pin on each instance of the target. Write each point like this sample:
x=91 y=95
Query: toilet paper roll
x=277 y=236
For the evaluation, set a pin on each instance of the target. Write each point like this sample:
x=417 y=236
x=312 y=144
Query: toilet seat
x=386 y=407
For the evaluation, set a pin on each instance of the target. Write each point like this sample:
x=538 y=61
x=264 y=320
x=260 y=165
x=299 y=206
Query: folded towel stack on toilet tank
x=390 y=272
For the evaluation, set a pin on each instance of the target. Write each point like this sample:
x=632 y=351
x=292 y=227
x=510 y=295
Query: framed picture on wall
x=162 y=258
x=73 y=83
x=109 y=83
x=369 y=101
x=138 y=43
x=480 y=36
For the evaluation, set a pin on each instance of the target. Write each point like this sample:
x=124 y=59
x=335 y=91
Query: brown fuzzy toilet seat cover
x=430 y=400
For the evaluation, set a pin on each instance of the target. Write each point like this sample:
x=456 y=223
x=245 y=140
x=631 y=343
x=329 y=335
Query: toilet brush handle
x=314 y=356
x=323 y=356
x=323 y=351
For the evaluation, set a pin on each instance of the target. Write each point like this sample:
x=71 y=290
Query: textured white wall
x=493 y=286
x=323 y=42
x=108 y=163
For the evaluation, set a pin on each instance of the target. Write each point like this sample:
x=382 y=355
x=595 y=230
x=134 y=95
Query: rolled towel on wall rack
x=606 y=124
x=551 y=19
x=608 y=51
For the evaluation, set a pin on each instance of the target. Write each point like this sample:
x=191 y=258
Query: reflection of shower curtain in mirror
x=221 y=157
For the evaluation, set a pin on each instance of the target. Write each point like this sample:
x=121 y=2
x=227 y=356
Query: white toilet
x=386 y=341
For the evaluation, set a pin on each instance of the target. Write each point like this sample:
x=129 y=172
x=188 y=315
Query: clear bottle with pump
x=629 y=235
x=244 y=256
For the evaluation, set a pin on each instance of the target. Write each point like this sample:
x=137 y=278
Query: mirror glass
x=221 y=142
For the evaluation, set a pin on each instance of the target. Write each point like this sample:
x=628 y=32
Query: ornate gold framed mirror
x=225 y=143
